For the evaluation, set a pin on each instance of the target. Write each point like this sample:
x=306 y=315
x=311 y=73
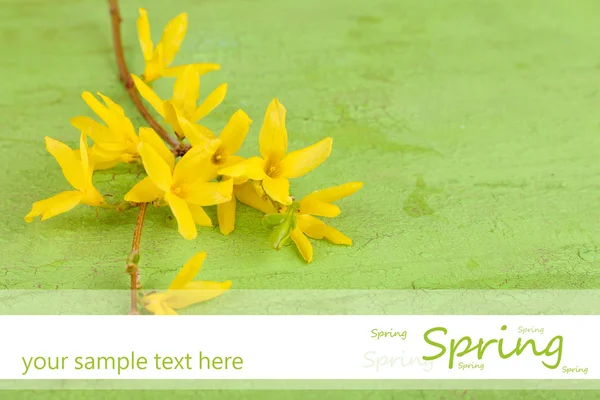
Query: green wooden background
x=474 y=125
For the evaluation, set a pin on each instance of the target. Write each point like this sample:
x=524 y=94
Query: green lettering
x=435 y=344
x=551 y=353
x=482 y=349
x=454 y=347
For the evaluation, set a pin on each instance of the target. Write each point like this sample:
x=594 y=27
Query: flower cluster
x=209 y=172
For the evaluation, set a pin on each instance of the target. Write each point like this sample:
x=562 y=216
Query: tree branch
x=125 y=77
x=132 y=261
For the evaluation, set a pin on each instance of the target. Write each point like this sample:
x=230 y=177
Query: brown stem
x=128 y=81
x=132 y=261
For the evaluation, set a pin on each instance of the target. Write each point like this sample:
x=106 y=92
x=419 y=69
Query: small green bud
x=123 y=205
x=293 y=219
x=286 y=241
x=280 y=235
x=270 y=221
x=133 y=258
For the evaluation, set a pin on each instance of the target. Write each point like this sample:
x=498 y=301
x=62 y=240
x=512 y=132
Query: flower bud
x=280 y=235
x=270 y=221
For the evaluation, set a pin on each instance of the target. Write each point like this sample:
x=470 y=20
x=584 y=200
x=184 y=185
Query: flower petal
x=228 y=161
x=196 y=292
x=70 y=165
x=143 y=27
x=186 y=91
x=211 y=102
x=202 y=69
x=101 y=163
x=84 y=162
x=149 y=94
x=337 y=237
x=195 y=165
x=226 y=214
x=189 y=270
x=317 y=202
x=299 y=162
x=164 y=309
x=116 y=109
x=101 y=157
x=145 y=191
x=172 y=37
x=55 y=205
x=252 y=168
x=185 y=221
x=200 y=216
x=320 y=208
x=94 y=129
x=111 y=149
x=124 y=126
x=317 y=229
x=272 y=138
x=277 y=189
x=235 y=132
x=155 y=66
x=156 y=304
x=92 y=197
x=105 y=114
x=208 y=193
x=313 y=227
x=197 y=134
x=173 y=117
x=156 y=167
x=302 y=243
x=334 y=193
x=246 y=194
x=148 y=135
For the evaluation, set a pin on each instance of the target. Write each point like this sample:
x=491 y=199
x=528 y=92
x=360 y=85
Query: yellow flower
x=230 y=139
x=114 y=142
x=276 y=167
x=183 y=186
x=183 y=102
x=246 y=194
x=225 y=146
x=184 y=292
x=78 y=173
x=319 y=203
x=159 y=58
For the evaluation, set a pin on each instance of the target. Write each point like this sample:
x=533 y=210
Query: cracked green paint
x=416 y=204
x=589 y=255
x=492 y=103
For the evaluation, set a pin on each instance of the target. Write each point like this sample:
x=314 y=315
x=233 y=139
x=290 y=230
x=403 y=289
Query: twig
x=132 y=261
x=125 y=77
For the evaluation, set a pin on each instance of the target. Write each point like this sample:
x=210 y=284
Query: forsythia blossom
x=319 y=203
x=183 y=291
x=298 y=220
x=230 y=140
x=225 y=146
x=114 y=143
x=183 y=102
x=182 y=186
x=78 y=172
x=276 y=167
x=209 y=172
x=159 y=58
